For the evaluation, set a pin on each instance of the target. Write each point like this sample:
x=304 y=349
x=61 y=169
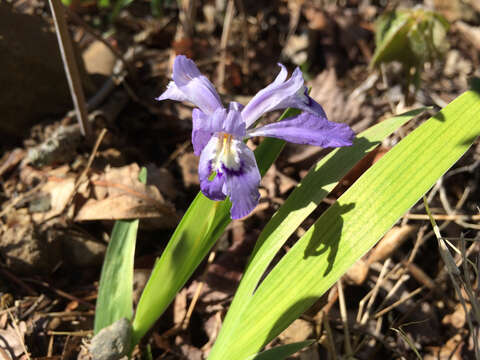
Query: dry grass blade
x=70 y=64
x=407 y=339
x=454 y=274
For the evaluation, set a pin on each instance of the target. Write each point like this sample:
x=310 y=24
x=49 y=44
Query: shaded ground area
x=60 y=194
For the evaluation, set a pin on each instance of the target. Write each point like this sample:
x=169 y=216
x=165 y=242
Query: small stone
x=112 y=342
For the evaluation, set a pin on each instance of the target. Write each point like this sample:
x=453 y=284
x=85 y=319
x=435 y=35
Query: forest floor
x=60 y=195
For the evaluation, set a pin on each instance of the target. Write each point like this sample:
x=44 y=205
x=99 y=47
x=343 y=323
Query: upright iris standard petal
x=200 y=133
x=172 y=93
x=273 y=96
x=194 y=86
x=211 y=180
x=242 y=185
x=309 y=129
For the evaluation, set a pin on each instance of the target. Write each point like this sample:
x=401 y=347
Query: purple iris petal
x=211 y=188
x=234 y=123
x=227 y=166
x=309 y=129
x=229 y=122
x=172 y=93
x=274 y=96
x=242 y=185
x=200 y=133
x=195 y=87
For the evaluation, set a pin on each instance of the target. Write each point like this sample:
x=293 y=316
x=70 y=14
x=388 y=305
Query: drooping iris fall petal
x=307 y=129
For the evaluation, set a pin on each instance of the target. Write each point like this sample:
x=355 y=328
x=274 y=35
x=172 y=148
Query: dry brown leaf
x=120 y=195
x=456 y=319
x=11 y=159
x=452 y=350
x=99 y=59
x=358 y=272
x=180 y=307
x=299 y=330
x=11 y=342
x=471 y=33
x=60 y=191
x=390 y=242
x=189 y=165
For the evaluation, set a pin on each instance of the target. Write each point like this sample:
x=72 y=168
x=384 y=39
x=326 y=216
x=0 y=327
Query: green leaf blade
x=350 y=227
x=281 y=352
x=114 y=299
x=199 y=229
x=320 y=180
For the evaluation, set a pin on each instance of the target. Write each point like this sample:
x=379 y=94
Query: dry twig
x=71 y=67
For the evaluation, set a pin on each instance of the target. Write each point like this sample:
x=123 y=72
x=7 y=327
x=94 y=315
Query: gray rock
x=112 y=342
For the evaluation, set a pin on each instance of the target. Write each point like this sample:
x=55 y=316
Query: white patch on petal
x=227 y=155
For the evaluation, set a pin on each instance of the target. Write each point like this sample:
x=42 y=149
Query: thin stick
x=343 y=315
x=398 y=302
x=330 y=342
x=100 y=38
x=19 y=334
x=90 y=159
x=454 y=217
x=198 y=291
x=376 y=288
x=227 y=25
x=70 y=65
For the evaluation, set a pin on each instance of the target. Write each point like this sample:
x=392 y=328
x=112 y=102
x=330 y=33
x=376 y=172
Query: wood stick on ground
x=344 y=317
x=330 y=342
x=19 y=334
x=399 y=302
x=375 y=290
x=227 y=25
x=198 y=291
x=70 y=65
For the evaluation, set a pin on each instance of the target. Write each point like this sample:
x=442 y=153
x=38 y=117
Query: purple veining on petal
x=234 y=172
x=242 y=185
x=213 y=189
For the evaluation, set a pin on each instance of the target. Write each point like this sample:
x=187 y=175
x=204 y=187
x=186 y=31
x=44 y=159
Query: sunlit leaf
x=351 y=226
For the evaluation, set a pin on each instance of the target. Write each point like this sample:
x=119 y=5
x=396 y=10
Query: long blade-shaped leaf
x=281 y=352
x=321 y=179
x=114 y=300
x=353 y=225
x=201 y=226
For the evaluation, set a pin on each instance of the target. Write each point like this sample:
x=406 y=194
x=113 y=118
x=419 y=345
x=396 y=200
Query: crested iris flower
x=227 y=166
